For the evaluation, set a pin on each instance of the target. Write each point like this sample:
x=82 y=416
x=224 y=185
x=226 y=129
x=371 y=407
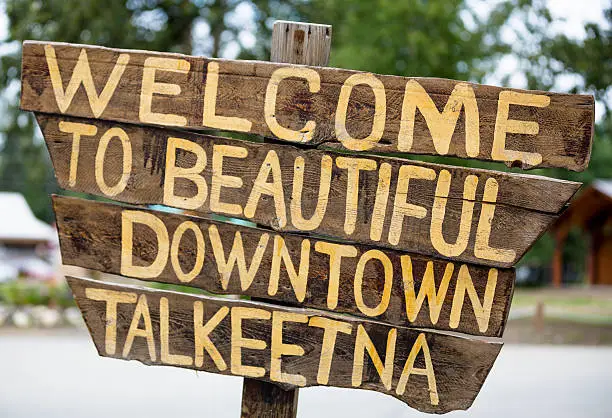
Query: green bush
x=23 y=292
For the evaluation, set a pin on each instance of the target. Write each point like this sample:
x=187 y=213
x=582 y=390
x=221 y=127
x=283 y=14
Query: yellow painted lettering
x=358 y=287
x=193 y=174
x=435 y=300
x=151 y=87
x=236 y=256
x=279 y=349
x=314 y=85
x=482 y=249
x=482 y=311
x=353 y=167
x=380 y=203
x=199 y=248
x=336 y=252
x=201 y=335
x=82 y=75
x=219 y=179
x=126 y=163
x=401 y=208
x=298 y=279
x=164 y=337
x=419 y=345
x=297 y=217
x=238 y=314
x=439 y=211
x=331 y=329
x=503 y=126
x=441 y=125
x=77 y=130
x=380 y=112
x=141 y=311
x=363 y=343
x=112 y=299
x=274 y=189
x=210 y=118
x=128 y=219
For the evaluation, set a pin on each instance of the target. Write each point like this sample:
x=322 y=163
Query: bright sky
x=577 y=13
x=571 y=17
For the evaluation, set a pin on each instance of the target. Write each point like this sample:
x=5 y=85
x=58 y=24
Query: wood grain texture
x=160 y=330
x=555 y=128
x=292 y=43
x=523 y=207
x=301 y=43
x=91 y=236
x=271 y=401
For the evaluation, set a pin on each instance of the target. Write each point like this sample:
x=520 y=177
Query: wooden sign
x=310 y=105
x=471 y=215
x=398 y=288
x=365 y=271
x=429 y=371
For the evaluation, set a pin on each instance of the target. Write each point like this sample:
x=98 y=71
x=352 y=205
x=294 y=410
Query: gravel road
x=60 y=375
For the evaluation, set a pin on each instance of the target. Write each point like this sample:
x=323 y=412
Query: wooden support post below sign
x=292 y=43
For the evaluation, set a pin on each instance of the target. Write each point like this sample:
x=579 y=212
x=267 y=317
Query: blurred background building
x=591 y=215
x=28 y=246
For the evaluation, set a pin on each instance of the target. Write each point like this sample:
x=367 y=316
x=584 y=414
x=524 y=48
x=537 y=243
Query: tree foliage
x=409 y=37
x=162 y=25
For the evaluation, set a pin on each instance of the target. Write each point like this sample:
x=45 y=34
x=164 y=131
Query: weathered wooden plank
x=292 y=43
x=472 y=215
x=429 y=371
x=386 y=285
x=355 y=110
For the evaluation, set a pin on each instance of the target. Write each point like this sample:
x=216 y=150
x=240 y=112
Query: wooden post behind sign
x=301 y=43
x=292 y=43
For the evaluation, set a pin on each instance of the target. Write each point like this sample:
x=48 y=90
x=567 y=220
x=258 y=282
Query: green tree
x=590 y=60
x=409 y=37
x=162 y=25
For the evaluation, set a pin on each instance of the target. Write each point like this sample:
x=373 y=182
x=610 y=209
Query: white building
x=28 y=246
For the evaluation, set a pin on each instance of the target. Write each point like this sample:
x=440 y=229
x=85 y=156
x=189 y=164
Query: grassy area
x=586 y=300
x=530 y=297
x=575 y=315
x=557 y=331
